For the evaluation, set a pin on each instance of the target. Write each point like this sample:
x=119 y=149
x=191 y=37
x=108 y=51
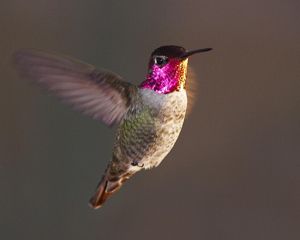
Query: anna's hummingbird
x=149 y=116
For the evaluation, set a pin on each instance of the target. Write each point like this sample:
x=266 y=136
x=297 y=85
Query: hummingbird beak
x=189 y=53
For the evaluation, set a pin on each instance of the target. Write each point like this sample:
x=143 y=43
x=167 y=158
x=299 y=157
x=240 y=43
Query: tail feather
x=106 y=188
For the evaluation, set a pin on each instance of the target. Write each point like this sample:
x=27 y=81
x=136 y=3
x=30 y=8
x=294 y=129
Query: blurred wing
x=191 y=89
x=99 y=94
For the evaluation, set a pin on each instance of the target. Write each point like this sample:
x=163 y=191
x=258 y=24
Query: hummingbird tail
x=106 y=187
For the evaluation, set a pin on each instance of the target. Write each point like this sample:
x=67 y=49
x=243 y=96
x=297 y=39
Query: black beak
x=189 y=53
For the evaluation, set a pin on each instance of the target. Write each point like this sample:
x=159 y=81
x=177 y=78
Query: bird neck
x=168 y=78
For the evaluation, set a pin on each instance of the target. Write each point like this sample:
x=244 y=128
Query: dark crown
x=169 y=51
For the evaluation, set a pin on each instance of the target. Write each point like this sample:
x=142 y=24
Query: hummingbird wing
x=191 y=89
x=100 y=94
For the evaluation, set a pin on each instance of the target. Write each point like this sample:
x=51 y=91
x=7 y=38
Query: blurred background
x=234 y=172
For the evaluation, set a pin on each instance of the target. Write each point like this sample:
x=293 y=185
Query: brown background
x=235 y=170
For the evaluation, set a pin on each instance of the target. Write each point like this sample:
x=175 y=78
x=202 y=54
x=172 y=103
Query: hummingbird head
x=167 y=69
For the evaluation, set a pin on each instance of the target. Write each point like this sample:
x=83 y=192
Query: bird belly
x=167 y=134
x=148 y=136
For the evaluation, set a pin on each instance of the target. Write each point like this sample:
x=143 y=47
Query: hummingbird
x=149 y=117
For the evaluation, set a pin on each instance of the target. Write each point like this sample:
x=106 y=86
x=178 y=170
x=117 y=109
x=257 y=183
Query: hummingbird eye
x=160 y=60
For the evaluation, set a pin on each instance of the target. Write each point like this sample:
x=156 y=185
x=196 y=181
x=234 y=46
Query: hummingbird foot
x=136 y=163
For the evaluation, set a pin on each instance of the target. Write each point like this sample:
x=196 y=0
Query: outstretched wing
x=101 y=94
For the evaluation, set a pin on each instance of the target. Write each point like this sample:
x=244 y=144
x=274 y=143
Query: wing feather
x=100 y=94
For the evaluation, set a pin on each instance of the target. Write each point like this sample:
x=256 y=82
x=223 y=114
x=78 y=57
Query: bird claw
x=136 y=163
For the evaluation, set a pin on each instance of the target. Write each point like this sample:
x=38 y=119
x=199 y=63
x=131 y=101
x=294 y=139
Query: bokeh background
x=234 y=172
